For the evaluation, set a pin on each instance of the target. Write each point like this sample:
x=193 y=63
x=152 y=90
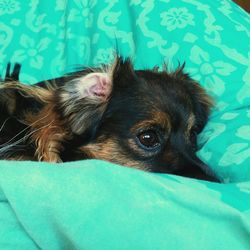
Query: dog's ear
x=83 y=100
x=122 y=72
x=202 y=103
x=96 y=85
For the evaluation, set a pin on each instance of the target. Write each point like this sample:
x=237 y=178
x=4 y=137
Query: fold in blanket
x=97 y=205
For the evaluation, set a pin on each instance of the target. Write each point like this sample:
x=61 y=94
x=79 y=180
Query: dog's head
x=139 y=118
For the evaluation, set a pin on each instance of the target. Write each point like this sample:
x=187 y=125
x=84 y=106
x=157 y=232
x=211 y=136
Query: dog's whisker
x=22 y=131
x=16 y=144
x=2 y=127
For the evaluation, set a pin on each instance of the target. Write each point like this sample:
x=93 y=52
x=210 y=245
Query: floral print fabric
x=212 y=37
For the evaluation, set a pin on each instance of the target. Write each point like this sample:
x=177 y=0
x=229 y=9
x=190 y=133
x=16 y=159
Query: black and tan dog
x=146 y=119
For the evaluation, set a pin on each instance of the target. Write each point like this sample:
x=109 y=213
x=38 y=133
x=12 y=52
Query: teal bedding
x=98 y=205
x=101 y=206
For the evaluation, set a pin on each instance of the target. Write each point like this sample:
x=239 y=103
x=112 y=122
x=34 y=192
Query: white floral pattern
x=104 y=56
x=84 y=11
x=177 y=18
x=210 y=71
x=9 y=6
x=31 y=51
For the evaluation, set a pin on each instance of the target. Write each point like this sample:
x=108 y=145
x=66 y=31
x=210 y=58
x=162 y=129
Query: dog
x=145 y=119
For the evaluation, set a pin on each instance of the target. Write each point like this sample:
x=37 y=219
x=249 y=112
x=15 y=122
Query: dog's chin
x=196 y=169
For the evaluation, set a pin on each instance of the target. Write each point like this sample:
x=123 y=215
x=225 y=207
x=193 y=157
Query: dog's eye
x=149 y=139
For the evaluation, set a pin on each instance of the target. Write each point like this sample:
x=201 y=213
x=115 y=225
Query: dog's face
x=146 y=119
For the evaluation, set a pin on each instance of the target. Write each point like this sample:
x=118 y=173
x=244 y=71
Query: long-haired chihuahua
x=146 y=119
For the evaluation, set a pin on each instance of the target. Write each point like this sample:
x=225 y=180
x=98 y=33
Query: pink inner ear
x=96 y=84
x=101 y=87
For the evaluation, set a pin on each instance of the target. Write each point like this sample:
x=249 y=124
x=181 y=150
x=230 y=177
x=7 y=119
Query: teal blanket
x=97 y=205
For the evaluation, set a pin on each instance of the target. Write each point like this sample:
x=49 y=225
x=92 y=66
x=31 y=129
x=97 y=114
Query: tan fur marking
x=190 y=124
x=48 y=131
x=49 y=134
x=160 y=119
x=41 y=94
x=109 y=150
x=20 y=158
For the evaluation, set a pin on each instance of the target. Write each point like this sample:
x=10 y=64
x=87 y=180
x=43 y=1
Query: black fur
x=112 y=130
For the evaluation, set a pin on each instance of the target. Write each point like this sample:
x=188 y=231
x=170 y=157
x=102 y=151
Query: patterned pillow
x=211 y=36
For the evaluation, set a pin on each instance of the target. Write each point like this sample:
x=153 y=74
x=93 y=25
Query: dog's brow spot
x=158 y=118
x=162 y=118
x=190 y=122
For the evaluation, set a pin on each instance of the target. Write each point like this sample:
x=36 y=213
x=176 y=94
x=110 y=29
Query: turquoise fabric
x=97 y=205
x=50 y=38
